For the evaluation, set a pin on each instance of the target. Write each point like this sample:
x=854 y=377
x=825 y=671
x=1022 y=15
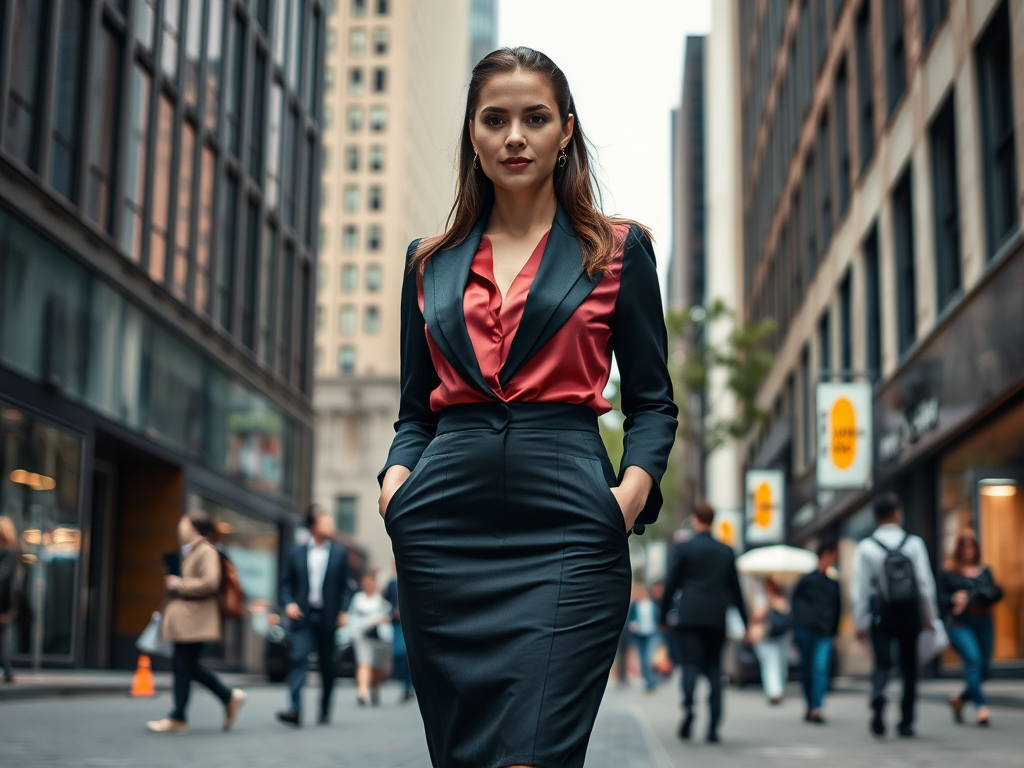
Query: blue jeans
x=646 y=645
x=972 y=638
x=815 y=656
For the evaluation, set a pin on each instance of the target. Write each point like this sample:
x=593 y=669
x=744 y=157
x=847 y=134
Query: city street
x=634 y=731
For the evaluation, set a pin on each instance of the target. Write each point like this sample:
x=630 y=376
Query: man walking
x=816 y=607
x=893 y=595
x=704 y=575
x=315 y=593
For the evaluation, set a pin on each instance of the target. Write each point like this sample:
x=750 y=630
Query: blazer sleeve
x=673 y=581
x=288 y=580
x=640 y=343
x=343 y=588
x=417 y=423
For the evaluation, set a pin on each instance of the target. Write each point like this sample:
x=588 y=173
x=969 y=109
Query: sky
x=624 y=63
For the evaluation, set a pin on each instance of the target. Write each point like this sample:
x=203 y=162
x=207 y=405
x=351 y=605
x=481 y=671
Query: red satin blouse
x=573 y=366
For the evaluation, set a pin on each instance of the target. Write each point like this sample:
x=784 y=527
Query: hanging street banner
x=766 y=506
x=844 y=435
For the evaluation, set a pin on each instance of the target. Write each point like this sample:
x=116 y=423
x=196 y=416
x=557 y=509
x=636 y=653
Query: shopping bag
x=150 y=642
x=735 y=629
x=931 y=644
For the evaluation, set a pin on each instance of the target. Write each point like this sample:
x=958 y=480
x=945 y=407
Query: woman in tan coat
x=191 y=618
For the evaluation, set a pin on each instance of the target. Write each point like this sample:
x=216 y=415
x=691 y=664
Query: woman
x=966 y=593
x=191 y=617
x=8 y=577
x=370 y=616
x=508 y=526
x=769 y=634
x=642 y=624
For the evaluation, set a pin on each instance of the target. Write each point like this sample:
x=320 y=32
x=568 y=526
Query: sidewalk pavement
x=50 y=683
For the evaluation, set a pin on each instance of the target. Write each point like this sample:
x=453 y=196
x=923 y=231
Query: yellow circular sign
x=726 y=533
x=763 y=505
x=844 y=433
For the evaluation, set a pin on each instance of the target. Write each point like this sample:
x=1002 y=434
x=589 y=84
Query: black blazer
x=639 y=342
x=295 y=583
x=703 y=571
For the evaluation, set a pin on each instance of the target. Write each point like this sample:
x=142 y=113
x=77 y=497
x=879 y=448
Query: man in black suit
x=703 y=575
x=315 y=594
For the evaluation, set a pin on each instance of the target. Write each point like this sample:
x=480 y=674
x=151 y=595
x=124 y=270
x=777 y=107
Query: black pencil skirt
x=514 y=580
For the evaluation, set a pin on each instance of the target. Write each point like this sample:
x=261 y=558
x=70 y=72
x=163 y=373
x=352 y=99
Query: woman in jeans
x=769 y=634
x=191 y=618
x=967 y=592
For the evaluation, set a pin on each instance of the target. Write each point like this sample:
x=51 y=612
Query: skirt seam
x=558 y=605
x=433 y=584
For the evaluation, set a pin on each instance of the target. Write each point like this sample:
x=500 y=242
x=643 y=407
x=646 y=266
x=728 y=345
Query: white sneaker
x=232 y=708
x=167 y=725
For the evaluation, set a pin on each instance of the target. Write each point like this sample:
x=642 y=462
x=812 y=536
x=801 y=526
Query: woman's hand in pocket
x=393 y=479
x=631 y=494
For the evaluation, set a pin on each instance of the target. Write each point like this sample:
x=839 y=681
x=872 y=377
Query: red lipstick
x=516 y=163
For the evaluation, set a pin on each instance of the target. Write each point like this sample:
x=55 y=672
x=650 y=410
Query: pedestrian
x=967 y=591
x=703 y=573
x=191 y=617
x=9 y=566
x=642 y=624
x=769 y=634
x=508 y=524
x=816 y=607
x=370 y=614
x=314 y=590
x=893 y=595
x=400 y=658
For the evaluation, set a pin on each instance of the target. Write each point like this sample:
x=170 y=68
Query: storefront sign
x=728 y=528
x=844 y=435
x=765 y=506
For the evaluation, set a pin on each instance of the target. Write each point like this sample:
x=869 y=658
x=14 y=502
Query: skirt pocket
x=403 y=489
x=593 y=471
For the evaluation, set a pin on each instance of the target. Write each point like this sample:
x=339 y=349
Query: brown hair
x=203 y=524
x=575 y=188
x=704 y=512
x=957 y=558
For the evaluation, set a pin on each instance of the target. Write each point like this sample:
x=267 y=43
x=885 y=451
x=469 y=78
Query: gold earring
x=562 y=158
x=476 y=162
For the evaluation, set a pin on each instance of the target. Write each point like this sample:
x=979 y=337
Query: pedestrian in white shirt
x=370 y=617
x=893 y=595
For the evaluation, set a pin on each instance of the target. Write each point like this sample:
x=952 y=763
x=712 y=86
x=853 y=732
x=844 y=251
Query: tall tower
x=483 y=29
x=392 y=111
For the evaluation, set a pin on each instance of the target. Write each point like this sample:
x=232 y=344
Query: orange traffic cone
x=142 y=681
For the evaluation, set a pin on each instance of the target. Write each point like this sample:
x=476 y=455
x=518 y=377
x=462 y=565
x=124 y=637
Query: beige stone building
x=881 y=155
x=395 y=77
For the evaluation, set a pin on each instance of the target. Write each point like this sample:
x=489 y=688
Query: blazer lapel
x=444 y=283
x=559 y=288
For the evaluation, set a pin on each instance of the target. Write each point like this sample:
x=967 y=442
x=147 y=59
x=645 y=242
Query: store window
x=345 y=514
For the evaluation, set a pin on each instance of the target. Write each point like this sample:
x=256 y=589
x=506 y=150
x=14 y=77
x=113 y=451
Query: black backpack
x=897 y=591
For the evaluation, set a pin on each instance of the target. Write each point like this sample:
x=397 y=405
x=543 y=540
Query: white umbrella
x=776 y=561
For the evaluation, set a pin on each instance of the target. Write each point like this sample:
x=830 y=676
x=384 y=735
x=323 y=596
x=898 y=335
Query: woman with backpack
x=967 y=592
x=769 y=634
x=191 y=617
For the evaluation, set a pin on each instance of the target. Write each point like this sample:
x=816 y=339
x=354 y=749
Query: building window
x=350 y=238
x=318 y=357
x=373 y=277
x=806 y=425
x=355 y=81
x=378 y=118
x=820 y=33
x=103 y=111
x=358 y=7
x=371 y=320
x=803 y=57
x=318 y=323
x=169 y=55
x=377 y=153
x=375 y=198
x=845 y=329
x=374 y=238
x=183 y=212
x=380 y=41
x=144 y=16
x=895 y=54
x=354 y=118
x=204 y=239
x=214 y=56
x=346 y=360
x=351 y=198
x=345 y=514
x=932 y=13
x=356 y=41
x=380 y=80
x=65 y=143
x=810 y=218
x=865 y=97
x=995 y=102
x=135 y=164
x=257 y=116
x=825 y=343
x=328 y=78
x=160 y=215
x=347 y=320
x=872 y=306
x=235 y=86
x=842 y=141
x=352 y=158
x=825 y=184
x=321 y=277
x=274 y=144
x=349 y=278
x=946 y=201
x=382 y=7
x=330 y=40
x=228 y=225
x=903 y=233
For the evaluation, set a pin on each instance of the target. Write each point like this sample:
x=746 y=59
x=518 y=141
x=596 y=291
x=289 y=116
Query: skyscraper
x=483 y=29
x=157 y=253
x=393 y=110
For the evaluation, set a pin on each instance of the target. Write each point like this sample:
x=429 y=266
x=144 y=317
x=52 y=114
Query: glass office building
x=159 y=173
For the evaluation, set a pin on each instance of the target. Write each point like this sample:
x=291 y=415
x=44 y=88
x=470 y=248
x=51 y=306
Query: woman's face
x=517 y=132
x=970 y=552
x=370 y=585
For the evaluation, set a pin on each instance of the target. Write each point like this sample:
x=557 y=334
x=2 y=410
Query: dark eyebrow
x=503 y=111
